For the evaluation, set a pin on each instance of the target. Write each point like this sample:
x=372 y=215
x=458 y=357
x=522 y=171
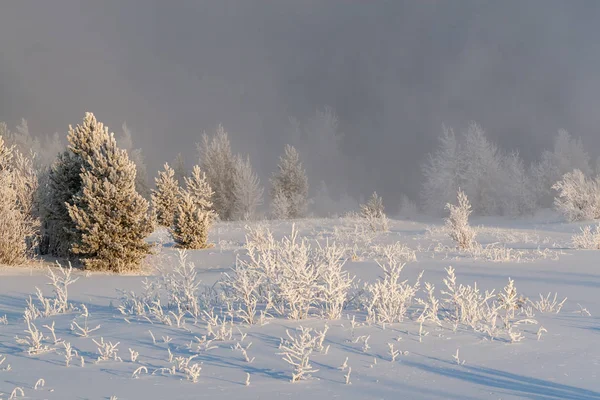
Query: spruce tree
x=194 y=216
x=289 y=186
x=166 y=196
x=111 y=218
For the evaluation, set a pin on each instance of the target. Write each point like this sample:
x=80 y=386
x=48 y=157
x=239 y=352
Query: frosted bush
x=457 y=222
x=578 y=197
x=296 y=351
x=373 y=212
x=389 y=298
x=589 y=239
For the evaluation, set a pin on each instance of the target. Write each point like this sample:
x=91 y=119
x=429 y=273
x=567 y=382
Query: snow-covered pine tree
x=166 y=196
x=374 y=212
x=217 y=161
x=125 y=142
x=63 y=182
x=442 y=174
x=198 y=188
x=193 y=217
x=247 y=191
x=180 y=170
x=289 y=186
x=111 y=218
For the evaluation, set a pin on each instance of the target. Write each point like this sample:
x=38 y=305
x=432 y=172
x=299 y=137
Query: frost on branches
x=18 y=226
x=217 y=161
x=247 y=191
x=289 y=187
x=374 y=213
x=111 y=218
x=193 y=216
x=578 y=197
x=166 y=196
x=458 y=222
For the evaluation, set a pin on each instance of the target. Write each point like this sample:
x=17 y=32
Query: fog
x=393 y=71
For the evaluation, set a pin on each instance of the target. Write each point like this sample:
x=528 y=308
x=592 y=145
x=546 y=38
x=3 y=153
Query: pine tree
x=247 y=192
x=125 y=142
x=194 y=216
x=198 y=188
x=180 y=171
x=289 y=186
x=217 y=161
x=166 y=196
x=111 y=218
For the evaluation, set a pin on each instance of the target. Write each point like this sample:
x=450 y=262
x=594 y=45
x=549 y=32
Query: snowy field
x=528 y=352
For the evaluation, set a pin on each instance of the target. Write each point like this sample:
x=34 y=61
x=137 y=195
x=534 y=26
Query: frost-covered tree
x=180 y=170
x=247 y=191
x=191 y=224
x=217 y=161
x=111 y=218
x=198 y=188
x=442 y=174
x=166 y=196
x=63 y=182
x=374 y=212
x=457 y=222
x=125 y=142
x=40 y=149
x=289 y=186
x=193 y=215
x=517 y=194
x=319 y=137
x=19 y=227
x=568 y=154
x=481 y=171
x=578 y=197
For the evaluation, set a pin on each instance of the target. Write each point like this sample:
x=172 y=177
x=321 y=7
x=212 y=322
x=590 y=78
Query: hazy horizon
x=393 y=72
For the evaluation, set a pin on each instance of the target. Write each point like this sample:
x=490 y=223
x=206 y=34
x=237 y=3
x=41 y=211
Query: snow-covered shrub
x=217 y=161
x=578 y=197
x=111 y=218
x=165 y=197
x=373 y=212
x=296 y=351
x=247 y=191
x=589 y=239
x=18 y=226
x=390 y=297
x=289 y=187
x=287 y=277
x=457 y=222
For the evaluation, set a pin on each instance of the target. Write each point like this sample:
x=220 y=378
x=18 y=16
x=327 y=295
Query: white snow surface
x=563 y=364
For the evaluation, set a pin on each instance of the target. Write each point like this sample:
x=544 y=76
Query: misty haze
x=299 y=199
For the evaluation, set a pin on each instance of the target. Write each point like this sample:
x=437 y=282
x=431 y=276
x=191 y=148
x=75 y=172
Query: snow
x=563 y=364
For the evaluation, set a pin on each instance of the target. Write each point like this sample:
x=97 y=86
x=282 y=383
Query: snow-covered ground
x=436 y=362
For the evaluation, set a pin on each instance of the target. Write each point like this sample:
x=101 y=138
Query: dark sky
x=394 y=72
